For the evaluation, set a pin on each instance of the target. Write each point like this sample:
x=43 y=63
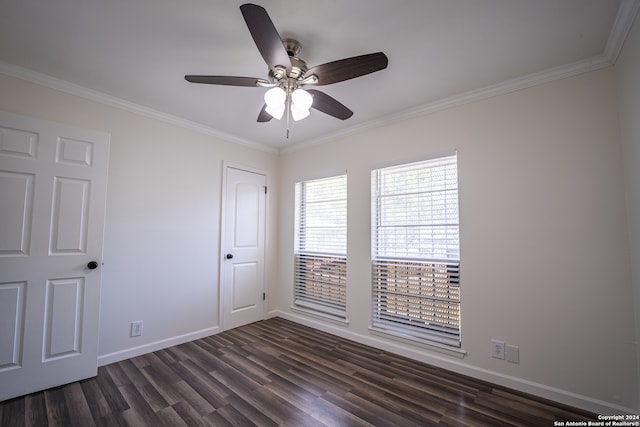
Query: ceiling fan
x=288 y=74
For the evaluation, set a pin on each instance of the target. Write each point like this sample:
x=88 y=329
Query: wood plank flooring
x=279 y=373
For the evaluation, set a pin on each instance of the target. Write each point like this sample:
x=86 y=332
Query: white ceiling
x=138 y=51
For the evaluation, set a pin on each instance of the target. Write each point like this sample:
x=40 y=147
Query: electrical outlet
x=136 y=328
x=497 y=349
x=512 y=353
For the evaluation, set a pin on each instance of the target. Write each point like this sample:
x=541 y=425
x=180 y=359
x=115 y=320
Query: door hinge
x=265 y=189
x=264 y=296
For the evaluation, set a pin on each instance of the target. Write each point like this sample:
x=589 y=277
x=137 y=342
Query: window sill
x=323 y=316
x=416 y=342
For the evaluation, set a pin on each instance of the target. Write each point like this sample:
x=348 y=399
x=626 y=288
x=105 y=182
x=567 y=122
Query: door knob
x=92 y=265
x=229 y=256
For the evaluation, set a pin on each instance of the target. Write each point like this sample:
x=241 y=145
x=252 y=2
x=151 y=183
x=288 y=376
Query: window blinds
x=321 y=245
x=416 y=251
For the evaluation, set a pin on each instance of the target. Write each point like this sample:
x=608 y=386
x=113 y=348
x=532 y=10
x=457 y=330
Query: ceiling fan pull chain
x=288 y=111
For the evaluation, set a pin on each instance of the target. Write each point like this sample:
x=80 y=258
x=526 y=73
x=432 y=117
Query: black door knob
x=229 y=256
x=92 y=265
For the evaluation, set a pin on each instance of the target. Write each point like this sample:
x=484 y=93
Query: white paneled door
x=243 y=246
x=52 y=205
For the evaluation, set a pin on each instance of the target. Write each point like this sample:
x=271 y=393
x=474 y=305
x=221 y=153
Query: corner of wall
x=627 y=69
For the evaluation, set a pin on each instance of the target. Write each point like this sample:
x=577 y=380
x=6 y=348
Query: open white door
x=52 y=206
x=243 y=247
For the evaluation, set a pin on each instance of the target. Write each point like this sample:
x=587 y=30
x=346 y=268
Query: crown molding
x=627 y=12
x=112 y=101
x=624 y=20
x=508 y=86
x=621 y=26
x=519 y=83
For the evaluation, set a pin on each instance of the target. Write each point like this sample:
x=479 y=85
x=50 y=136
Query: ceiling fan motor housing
x=292 y=80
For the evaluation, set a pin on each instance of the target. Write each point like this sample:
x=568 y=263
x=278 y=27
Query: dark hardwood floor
x=276 y=372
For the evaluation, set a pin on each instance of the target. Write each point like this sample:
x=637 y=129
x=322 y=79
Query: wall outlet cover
x=497 y=349
x=512 y=353
x=136 y=328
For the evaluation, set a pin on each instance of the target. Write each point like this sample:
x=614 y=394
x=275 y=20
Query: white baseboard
x=107 y=359
x=546 y=392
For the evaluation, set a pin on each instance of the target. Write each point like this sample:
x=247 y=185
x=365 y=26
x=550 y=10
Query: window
x=321 y=246
x=416 y=251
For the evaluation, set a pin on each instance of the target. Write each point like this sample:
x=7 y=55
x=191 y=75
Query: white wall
x=627 y=71
x=545 y=261
x=162 y=227
x=544 y=240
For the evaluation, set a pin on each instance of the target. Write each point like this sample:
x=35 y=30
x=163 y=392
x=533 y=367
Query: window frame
x=320 y=273
x=432 y=313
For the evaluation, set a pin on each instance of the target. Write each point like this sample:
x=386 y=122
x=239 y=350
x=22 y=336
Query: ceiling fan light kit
x=288 y=74
x=297 y=100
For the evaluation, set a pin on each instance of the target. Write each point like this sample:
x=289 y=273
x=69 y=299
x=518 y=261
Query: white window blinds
x=416 y=251
x=321 y=245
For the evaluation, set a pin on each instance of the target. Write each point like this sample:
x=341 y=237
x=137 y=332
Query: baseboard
x=546 y=392
x=107 y=359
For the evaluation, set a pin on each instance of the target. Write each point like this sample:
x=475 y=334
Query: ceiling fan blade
x=328 y=105
x=226 y=80
x=348 y=68
x=265 y=36
x=264 y=116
